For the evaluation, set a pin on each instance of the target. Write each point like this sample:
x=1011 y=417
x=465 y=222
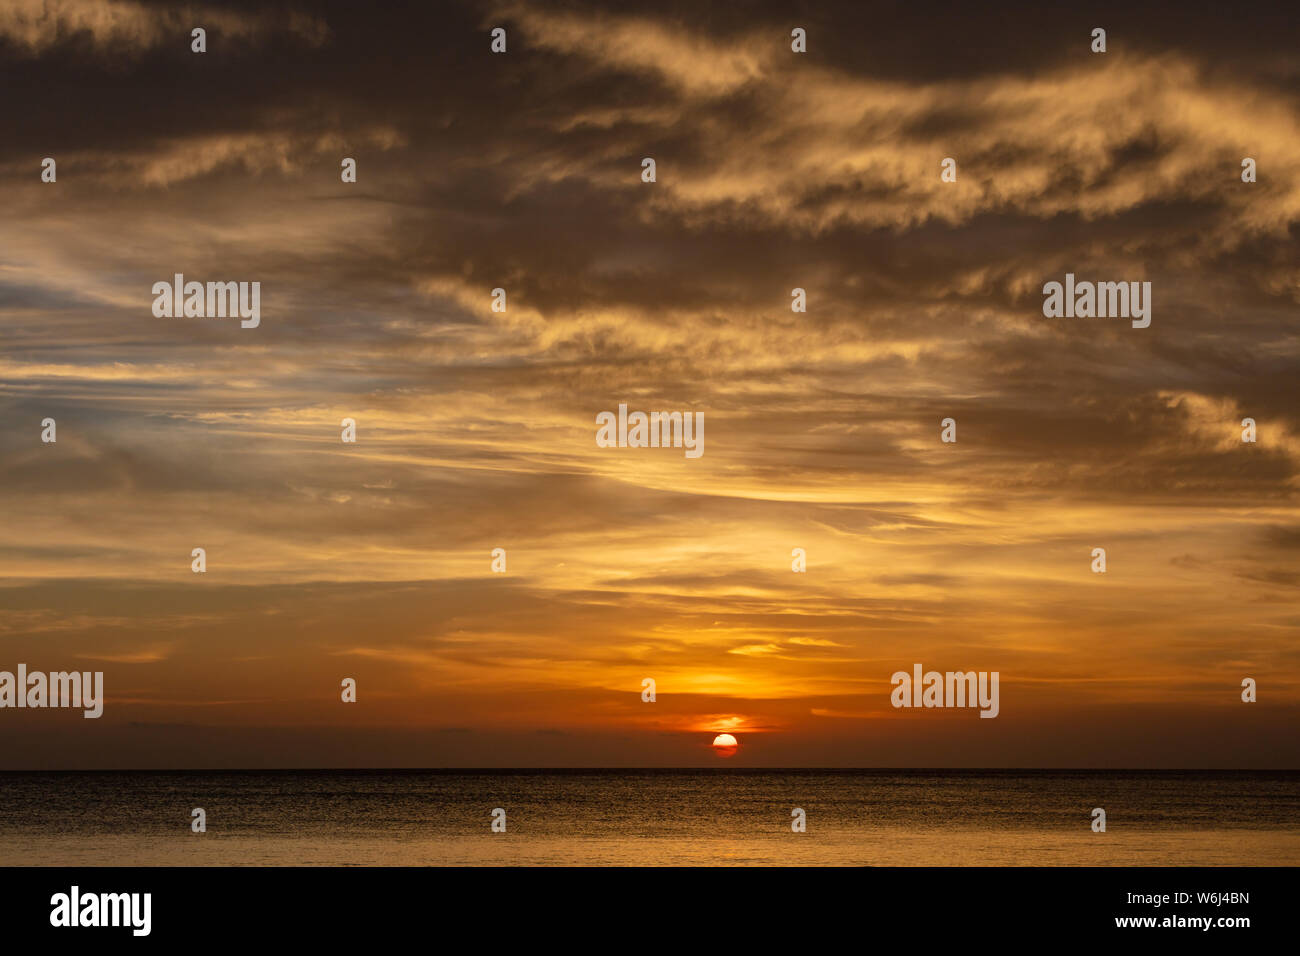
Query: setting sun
x=725 y=745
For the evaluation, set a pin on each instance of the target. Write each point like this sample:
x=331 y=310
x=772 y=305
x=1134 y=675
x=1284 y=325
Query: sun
x=725 y=745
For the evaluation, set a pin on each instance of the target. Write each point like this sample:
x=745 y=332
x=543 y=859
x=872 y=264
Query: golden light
x=725 y=745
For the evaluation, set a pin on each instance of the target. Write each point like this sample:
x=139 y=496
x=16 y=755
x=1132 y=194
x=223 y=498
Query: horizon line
x=731 y=769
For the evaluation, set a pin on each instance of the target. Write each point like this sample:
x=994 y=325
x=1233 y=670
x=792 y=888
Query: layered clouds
x=476 y=429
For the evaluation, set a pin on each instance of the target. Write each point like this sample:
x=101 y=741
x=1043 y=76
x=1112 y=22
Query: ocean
x=650 y=818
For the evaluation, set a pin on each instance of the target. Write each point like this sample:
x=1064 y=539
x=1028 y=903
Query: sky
x=476 y=429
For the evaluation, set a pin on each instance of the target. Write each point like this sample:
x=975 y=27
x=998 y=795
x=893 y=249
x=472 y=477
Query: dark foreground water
x=651 y=817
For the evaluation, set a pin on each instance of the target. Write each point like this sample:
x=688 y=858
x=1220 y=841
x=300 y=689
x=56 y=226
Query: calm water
x=651 y=817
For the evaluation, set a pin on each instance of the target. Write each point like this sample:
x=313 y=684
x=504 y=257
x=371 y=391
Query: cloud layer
x=476 y=428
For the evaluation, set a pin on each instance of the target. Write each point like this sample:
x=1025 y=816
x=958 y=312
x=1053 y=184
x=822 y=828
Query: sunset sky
x=476 y=430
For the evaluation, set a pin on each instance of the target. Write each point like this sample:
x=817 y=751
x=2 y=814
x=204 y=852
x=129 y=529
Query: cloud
x=114 y=27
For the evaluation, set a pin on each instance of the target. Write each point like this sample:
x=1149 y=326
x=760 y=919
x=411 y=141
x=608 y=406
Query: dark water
x=647 y=817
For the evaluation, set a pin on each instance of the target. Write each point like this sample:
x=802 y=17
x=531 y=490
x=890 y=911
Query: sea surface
x=651 y=818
